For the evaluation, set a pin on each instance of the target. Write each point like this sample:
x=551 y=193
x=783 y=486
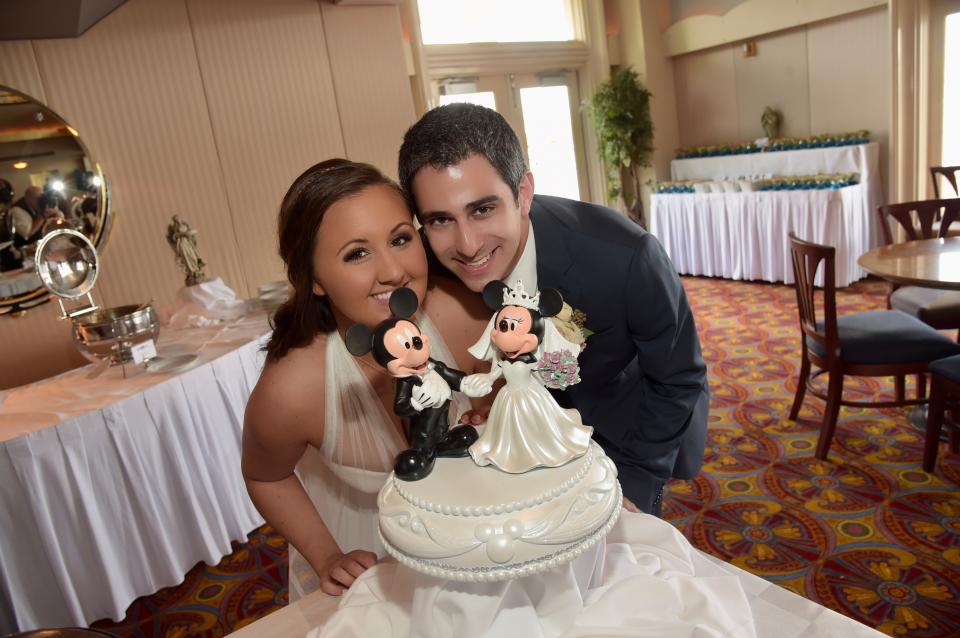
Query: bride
x=319 y=433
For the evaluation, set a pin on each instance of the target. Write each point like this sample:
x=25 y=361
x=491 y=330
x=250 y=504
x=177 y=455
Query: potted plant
x=620 y=110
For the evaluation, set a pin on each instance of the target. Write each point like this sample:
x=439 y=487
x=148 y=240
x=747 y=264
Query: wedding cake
x=468 y=522
x=535 y=491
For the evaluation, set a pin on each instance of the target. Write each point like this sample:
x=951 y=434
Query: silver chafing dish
x=68 y=265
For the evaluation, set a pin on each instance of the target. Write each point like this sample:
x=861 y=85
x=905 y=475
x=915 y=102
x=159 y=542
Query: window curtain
x=910 y=128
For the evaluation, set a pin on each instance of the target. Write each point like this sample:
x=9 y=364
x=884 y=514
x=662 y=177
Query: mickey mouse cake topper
x=423 y=386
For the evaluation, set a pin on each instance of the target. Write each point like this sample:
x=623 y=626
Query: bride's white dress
x=527 y=428
x=360 y=444
x=646 y=580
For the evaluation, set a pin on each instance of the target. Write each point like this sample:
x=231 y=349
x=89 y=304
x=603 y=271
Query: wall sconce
x=750 y=49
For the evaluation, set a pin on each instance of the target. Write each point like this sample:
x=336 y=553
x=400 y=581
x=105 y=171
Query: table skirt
x=744 y=236
x=122 y=501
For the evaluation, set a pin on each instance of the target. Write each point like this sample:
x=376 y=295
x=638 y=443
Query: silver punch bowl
x=109 y=333
x=68 y=264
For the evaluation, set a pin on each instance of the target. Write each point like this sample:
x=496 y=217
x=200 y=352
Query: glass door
x=544 y=110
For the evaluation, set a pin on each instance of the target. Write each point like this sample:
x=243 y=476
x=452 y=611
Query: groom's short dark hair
x=449 y=134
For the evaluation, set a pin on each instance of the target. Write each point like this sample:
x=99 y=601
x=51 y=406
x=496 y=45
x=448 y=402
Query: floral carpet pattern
x=866 y=532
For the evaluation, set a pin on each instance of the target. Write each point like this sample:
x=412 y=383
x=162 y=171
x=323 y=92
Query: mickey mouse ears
x=360 y=339
x=403 y=303
x=497 y=294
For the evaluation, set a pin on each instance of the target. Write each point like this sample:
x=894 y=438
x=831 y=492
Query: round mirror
x=48 y=183
x=67 y=263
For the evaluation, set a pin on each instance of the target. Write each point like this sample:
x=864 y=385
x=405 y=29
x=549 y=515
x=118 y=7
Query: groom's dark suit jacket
x=644 y=387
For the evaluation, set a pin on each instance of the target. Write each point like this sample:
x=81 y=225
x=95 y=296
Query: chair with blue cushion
x=944 y=392
x=928 y=219
x=884 y=343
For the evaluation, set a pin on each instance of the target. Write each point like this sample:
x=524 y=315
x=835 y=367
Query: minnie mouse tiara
x=518 y=297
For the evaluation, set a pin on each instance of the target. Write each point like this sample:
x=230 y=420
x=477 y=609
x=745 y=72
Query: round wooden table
x=931 y=263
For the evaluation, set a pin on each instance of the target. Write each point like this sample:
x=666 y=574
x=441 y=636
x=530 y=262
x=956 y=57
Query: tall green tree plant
x=620 y=110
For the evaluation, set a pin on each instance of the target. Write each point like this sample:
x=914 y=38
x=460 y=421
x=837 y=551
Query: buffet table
x=18 y=282
x=858 y=158
x=744 y=235
x=112 y=488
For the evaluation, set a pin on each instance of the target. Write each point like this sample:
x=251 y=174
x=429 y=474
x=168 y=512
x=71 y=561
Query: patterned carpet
x=867 y=533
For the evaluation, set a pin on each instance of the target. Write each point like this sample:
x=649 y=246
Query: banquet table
x=930 y=263
x=18 y=282
x=113 y=487
x=859 y=158
x=745 y=235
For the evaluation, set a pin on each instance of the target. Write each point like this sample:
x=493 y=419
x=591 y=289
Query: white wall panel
x=706 y=92
x=370 y=78
x=267 y=79
x=777 y=77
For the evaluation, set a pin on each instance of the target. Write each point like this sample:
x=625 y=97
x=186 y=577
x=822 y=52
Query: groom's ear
x=525 y=194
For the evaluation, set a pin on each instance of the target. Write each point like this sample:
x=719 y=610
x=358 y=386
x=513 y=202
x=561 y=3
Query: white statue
x=183 y=241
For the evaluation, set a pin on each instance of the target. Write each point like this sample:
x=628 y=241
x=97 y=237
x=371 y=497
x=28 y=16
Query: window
x=540 y=108
x=468 y=21
x=950 y=150
x=528 y=60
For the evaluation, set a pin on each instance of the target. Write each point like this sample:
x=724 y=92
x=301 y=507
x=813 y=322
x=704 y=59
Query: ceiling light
x=19 y=165
x=57 y=185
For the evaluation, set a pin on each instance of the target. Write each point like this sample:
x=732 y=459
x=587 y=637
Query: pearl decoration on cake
x=489 y=510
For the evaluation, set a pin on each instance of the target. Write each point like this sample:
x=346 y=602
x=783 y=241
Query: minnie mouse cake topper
x=423 y=386
x=526 y=427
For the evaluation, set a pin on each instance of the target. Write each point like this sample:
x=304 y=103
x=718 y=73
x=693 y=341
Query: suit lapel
x=554 y=261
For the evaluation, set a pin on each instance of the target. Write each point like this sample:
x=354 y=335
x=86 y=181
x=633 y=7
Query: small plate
x=173 y=364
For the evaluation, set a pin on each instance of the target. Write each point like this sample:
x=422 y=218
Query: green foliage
x=620 y=110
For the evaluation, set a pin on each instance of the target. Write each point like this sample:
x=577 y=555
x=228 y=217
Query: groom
x=644 y=387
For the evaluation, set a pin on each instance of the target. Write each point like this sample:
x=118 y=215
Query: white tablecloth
x=744 y=235
x=113 y=488
x=858 y=158
x=18 y=282
x=766 y=609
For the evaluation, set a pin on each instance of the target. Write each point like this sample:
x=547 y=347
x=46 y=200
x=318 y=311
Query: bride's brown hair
x=300 y=318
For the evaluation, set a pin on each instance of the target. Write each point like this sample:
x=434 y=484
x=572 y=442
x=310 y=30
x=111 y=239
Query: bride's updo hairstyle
x=300 y=318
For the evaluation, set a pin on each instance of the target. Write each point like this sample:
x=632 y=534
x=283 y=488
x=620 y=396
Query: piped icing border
x=500 y=508
x=520 y=570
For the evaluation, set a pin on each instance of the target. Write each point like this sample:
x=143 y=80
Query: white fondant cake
x=476 y=523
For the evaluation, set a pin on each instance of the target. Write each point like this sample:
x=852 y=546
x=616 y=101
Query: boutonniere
x=572 y=325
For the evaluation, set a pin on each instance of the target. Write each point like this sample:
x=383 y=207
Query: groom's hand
x=422 y=398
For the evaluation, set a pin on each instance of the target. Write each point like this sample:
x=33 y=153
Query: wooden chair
x=950 y=174
x=880 y=343
x=944 y=389
x=923 y=220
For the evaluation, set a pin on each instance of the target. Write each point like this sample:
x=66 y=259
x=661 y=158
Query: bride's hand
x=341 y=570
x=475 y=417
x=629 y=506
